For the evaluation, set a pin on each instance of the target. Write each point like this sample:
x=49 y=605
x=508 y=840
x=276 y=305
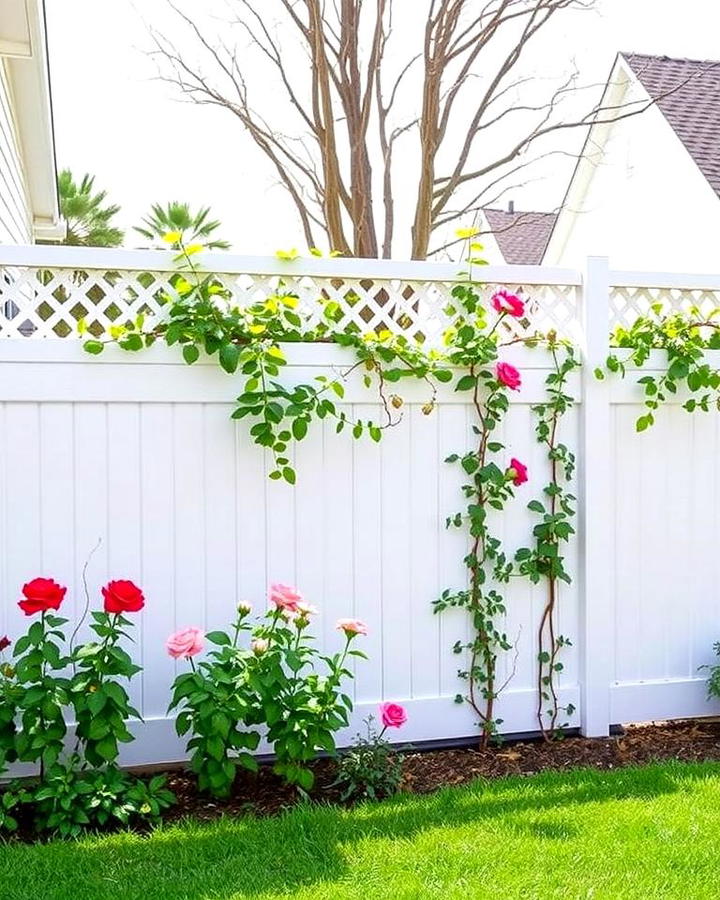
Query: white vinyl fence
x=138 y=450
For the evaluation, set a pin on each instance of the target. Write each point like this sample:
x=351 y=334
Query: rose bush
x=372 y=767
x=272 y=680
x=83 y=788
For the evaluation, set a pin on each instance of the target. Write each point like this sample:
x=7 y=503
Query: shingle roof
x=521 y=236
x=693 y=106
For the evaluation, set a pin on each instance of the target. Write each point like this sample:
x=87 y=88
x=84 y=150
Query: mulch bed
x=423 y=772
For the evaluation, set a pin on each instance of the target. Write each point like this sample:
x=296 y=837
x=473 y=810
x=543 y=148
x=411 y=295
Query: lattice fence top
x=42 y=302
x=627 y=304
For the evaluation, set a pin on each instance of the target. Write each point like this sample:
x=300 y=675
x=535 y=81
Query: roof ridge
x=664 y=57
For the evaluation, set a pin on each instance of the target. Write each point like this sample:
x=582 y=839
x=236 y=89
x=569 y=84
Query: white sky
x=143 y=146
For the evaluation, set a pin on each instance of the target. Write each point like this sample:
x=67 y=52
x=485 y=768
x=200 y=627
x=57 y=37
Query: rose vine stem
x=549 y=610
x=479 y=545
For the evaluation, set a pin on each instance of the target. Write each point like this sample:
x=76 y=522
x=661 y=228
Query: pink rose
x=505 y=302
x=393 y=715
x=351 y=627
x=285 y=597
x=186 y=643
x=517 y=472
x=508 y=375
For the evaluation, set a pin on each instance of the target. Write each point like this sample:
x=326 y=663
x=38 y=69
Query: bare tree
x=339 y=139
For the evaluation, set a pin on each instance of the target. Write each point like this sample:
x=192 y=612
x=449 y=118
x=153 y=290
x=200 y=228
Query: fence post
x=595 y=507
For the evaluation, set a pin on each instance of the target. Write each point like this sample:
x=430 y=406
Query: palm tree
x=177 y=218
x=88 y=219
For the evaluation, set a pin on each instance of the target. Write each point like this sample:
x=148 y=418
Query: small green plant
x=372 y=768
x=71 y=799
x=713 y=683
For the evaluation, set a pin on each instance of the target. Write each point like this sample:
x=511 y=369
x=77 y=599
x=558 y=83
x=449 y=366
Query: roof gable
x=521 y=236
x=687 y=92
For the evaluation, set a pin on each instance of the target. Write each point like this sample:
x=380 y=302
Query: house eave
x=30 y=84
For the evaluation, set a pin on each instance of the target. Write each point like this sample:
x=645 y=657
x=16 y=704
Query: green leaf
x=299 y=429
x=229 y=357
x=190 y=353
x=466 y=383
x=218 y=637
x=94 y=347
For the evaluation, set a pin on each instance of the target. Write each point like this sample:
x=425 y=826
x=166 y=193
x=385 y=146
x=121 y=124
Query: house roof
x=688 y=95
x=521 y=236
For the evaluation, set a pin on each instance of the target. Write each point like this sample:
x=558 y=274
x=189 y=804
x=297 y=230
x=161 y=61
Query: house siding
x=15 y=217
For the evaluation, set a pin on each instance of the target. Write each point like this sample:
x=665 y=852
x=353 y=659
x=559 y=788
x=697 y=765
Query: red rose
x=505 y=302
x=41 y=594
x=122 y=596
x=4 y=643
x=517 y=472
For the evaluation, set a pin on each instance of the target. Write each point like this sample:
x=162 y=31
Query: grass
x=647 y=833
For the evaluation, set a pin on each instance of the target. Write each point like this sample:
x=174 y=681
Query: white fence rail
x=139 y=450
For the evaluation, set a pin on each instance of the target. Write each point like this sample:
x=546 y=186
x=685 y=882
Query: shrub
x=86 y=789
x=71 y=799
x=216 y=705
x=372 y=768
x=273 y=682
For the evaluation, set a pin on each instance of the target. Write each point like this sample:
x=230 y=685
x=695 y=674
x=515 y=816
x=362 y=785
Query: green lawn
x=633 y=833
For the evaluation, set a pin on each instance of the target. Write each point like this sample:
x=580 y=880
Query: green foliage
x=301 y=707
x=39 y=694
x=684 y=336
x=89 y=220
x=371 y=768
x=177 y=225
x=713 y=685
x=71 y=799
x=216 y=704
x=556 y=509
x=275 y=683
x=101 y=704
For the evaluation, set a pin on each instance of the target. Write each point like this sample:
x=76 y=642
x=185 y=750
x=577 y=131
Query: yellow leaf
x=467 y=232
x=194 y=248
x=256 y=329
x=290 y=302
x=172 y=237
x=315 y=252
x=287 y=255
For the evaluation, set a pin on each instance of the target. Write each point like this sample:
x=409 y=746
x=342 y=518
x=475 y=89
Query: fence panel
x=140 y=452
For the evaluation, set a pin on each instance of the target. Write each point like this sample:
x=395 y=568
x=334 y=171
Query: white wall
x=15 y=218
x=647 y=204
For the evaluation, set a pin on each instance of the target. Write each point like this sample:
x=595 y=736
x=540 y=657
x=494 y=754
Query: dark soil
x=265 y=794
